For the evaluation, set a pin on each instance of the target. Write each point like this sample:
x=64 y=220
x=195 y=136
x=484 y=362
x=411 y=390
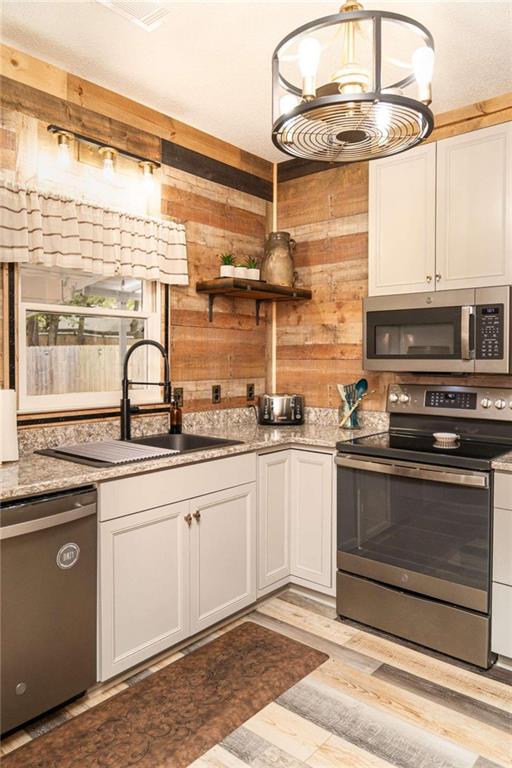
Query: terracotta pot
x=277 y=266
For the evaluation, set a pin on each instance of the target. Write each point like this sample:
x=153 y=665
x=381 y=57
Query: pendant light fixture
x=352 y=86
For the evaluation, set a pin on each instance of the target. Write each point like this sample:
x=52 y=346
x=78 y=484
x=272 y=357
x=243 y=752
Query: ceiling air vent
x=149 y=16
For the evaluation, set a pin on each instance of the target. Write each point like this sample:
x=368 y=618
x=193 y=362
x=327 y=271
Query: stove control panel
x=469 y=402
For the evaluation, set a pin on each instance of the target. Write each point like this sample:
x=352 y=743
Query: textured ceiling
x=208 y=64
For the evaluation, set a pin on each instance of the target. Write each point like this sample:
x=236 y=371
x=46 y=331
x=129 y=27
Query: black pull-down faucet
x=126 y=431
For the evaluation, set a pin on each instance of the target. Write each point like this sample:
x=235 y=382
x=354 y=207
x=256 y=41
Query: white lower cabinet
x=274 y=488
x=222 y=555
x=501 y=634
x=311 y=517
x=295 y=520
x=144 y=586
x=169 y=571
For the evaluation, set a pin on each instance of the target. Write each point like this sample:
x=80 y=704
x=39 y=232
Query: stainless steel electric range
x=414 y=541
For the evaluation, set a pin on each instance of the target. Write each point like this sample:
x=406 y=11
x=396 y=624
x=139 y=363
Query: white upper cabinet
x=474 y=208
x=402 y=222
x=440 y=215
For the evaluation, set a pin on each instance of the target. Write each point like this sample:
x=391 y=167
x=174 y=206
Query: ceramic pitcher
x=277 y=266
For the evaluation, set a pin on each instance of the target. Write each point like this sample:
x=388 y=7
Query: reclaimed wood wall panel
x=320 y=341
x=44 y=77
x=218 y=217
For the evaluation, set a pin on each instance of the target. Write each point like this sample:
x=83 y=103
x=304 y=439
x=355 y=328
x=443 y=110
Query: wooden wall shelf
x=249 y=289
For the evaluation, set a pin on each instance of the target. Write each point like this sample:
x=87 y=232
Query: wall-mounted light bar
x=106 y=151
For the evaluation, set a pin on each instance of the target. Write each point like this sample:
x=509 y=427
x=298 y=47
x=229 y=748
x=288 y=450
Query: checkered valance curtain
x=50 y=230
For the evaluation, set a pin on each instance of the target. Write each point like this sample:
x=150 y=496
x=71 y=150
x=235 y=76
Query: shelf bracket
x=211 y=299
x=258 y=305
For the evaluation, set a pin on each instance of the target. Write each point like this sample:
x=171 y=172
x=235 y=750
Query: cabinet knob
x=438 y=277
x=429 y=278
x=188 y=519
x=197 y=515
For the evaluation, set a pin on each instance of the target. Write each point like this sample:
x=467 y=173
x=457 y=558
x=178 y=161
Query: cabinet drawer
x=502 y=549
x=503 y=490
x=501 y=636
x=154 y=489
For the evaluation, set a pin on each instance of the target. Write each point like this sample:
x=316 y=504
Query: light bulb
x=423 y=65
x=64 y=149
x=288 y=102
x=309 y=56
x=109 y=171
x=148 y=180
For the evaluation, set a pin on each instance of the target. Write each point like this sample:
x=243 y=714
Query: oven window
x=429 y=528
x=412 y=340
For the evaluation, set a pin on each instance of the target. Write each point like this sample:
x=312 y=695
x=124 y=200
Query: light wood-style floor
x=375 y=703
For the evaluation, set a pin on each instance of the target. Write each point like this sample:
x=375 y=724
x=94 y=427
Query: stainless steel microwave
x=462 y=331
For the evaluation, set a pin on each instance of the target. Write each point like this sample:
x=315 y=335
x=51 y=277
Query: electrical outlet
x=250 y=392
x=178 y=396
x=216 y=393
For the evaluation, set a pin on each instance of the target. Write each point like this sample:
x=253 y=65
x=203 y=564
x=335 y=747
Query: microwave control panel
x=489 y=332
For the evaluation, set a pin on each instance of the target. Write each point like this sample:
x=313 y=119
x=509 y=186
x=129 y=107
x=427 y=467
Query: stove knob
x=393 y=398
x=404 y=398
x=486 y=402
x=500 y=404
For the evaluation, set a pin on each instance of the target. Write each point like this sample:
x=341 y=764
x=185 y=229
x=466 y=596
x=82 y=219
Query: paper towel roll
x=8 y=428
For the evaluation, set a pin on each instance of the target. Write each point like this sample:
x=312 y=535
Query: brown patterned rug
x=177 y=714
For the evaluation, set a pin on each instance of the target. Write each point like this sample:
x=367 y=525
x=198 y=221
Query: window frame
x=74 y=401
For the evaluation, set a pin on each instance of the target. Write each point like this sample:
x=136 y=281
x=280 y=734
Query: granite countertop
x=35 y=474
x=504 y=462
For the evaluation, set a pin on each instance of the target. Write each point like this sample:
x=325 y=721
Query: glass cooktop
x=471 y=454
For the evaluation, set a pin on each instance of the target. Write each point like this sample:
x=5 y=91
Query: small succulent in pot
x=227 y=264
x=240 y=270
x=252 y=266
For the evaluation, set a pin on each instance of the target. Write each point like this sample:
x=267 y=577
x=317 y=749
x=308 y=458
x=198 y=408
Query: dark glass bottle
x=175 y=419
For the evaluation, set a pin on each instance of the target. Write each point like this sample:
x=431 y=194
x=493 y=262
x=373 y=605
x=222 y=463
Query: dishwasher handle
x=50 y=521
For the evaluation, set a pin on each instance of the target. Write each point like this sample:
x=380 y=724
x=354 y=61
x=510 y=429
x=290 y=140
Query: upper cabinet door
x=474 y=209
x=402 y=222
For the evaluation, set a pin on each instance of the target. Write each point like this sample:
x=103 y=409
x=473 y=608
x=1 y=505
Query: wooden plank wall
x=319 y=343
x=231 y=350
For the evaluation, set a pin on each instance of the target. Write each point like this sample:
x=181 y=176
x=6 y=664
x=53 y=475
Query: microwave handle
x=467 y=333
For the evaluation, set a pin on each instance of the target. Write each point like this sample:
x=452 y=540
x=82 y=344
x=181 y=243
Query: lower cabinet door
x=222 y=554
x=143 y=586
x=311 y=517
x=273 y=518
x=501 y=633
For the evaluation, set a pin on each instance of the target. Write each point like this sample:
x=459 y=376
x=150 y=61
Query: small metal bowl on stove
x=446 y=440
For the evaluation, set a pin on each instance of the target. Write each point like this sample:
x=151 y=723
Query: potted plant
x=240 y=270
x=253 y=270
x=227 y=264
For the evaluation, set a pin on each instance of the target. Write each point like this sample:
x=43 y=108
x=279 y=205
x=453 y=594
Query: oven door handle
x=418 y=472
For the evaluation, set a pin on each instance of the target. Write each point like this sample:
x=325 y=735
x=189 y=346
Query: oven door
x=409 y=334
x=422 y=528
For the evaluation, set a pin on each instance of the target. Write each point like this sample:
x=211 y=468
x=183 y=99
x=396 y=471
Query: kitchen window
x=74 y=330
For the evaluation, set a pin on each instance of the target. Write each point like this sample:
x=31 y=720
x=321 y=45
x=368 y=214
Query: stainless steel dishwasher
x=48 y=592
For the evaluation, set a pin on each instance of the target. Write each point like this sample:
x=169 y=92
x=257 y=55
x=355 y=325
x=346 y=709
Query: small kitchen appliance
x=461 y=331
x=281 y=410
x=414 y=513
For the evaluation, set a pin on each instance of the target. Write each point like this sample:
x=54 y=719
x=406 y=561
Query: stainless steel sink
x=184 y=443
